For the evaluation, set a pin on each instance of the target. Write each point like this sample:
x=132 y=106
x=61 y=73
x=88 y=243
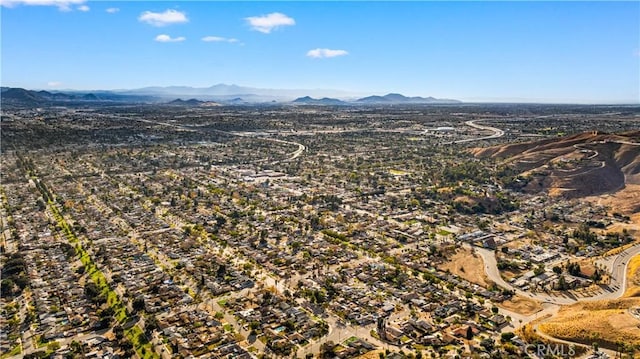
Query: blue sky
x=476 y=51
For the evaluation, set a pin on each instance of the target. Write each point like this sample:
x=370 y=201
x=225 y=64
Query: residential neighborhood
x=286 y=232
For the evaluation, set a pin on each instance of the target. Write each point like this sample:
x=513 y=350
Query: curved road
x=616 y=264
x=295 y=154
x=496 y=132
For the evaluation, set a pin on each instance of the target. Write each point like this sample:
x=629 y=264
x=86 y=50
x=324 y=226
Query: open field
x=530 y=334
x=633 y=278
x=626 y=200
x=587 y=267
x=468 y=266
x=605 y=322
x=521 y=305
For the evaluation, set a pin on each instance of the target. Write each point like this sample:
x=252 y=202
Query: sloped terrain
x=606 y=322
x=580 y=165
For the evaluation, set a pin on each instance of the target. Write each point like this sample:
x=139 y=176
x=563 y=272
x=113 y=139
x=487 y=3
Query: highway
x=295 y=154
x=496 y=133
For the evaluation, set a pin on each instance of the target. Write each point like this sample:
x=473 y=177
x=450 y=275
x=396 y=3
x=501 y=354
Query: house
x=497 y=321
x=489 y=243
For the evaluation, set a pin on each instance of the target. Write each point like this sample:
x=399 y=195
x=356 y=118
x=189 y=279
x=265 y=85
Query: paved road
x=617 y=266
x=295 y=154
x=496 y=133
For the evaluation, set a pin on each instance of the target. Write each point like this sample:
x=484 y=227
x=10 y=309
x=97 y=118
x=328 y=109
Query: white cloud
x=168 y=17
x=219 y=39
x=266 y=23
x=325 y=53
x=64 y=5
x=112 y=10
x=167 y=38
x=83 y=8
x=54 y=84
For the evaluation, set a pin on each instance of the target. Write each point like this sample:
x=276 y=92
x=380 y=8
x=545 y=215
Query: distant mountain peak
x=90 y=97
x=308 y=100
x=392 y=98
x=180 y=101
x=192 y=102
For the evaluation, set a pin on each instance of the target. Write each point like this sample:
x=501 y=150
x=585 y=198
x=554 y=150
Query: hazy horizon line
x=346 y=94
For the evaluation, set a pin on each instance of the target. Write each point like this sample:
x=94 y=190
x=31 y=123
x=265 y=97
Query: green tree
x=138 y=304
x=506 y=337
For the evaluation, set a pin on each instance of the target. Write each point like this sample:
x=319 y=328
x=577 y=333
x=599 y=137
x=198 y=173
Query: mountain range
x=224 y=92
x=398 y=98
x=206 y=96
x=20 y=95
x=392 y=98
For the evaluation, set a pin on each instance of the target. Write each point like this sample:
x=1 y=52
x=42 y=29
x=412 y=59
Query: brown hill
x=574 y=166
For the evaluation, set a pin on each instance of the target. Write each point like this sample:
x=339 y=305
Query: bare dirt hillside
x=580 y=165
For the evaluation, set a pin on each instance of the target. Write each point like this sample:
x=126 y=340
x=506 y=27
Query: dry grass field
x=374 y=354
x=605 y=322
x=468 y=266
x=615 y=251
x=633 y=278
x=530 y=335
x=627 y=201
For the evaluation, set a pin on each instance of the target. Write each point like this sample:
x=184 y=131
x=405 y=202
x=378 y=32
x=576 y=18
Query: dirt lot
x=521 y=305
x=468 y=266
x=587 y=268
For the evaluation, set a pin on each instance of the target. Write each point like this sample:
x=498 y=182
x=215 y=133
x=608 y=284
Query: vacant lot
x=587 y=268
x=374 y=354
x=468 y=266
x=521 y=305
